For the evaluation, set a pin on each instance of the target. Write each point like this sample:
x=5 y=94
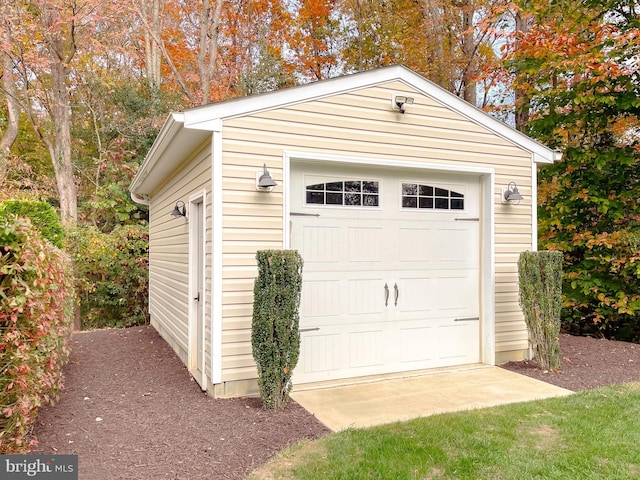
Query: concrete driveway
x=376 y=400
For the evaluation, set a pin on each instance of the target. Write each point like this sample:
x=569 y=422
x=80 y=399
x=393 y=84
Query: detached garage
x=409 y=207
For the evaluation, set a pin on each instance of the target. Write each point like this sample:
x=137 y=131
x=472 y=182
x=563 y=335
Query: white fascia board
x=169 y=149
x=169 y=130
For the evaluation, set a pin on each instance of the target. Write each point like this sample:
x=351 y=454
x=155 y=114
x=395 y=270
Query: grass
x=588 y=435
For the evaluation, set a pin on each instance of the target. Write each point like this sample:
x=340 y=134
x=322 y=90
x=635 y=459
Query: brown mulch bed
x=130 y=410
x=587 y=363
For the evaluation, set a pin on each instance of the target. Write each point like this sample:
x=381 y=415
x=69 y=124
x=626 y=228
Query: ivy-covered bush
x=112 y=275
x=540 y=277
x=42 y=215
x=36 y=313
x=274 y=331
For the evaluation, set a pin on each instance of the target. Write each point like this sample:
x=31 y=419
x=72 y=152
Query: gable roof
x=182 y=131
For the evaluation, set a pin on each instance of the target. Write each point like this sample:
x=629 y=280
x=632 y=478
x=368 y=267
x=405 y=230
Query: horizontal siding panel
x=252 y=235
x=512 y=346
x=273 y=145
x=239 y=259
x=508 y=308
x=514 y=325
x=239 y=361
x=251 y=199
x=238 y=323
x=239 y=272
x=509 y=318
x=235 y=297
x=518 y=337
x=237 y=374
x=231 y=349
x=236 y=246
x=236 y=336
x=237 y=285
x=253 y=221
x=237 y=310
x=239 y=209
x=403 y=133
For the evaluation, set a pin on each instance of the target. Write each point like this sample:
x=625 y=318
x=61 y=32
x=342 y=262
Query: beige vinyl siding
x=169 y=251
x=357 y=124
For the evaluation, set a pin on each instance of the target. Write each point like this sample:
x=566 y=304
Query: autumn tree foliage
x=578 y=66
x=451 y=42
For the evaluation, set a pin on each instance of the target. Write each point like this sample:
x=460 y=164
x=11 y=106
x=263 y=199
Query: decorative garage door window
x=352 y=193
x=419 y=196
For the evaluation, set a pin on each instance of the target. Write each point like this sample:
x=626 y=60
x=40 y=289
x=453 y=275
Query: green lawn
x=588 y=435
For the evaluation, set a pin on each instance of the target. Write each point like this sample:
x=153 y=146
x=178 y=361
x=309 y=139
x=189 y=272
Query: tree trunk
x=208 y=47
x=60 y=146
x=13 y=109
x=153 y=52
x=469 y=52
x=521 y=99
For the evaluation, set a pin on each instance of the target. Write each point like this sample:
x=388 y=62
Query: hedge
x=42 y=215
x=36 y=313
x=112 y=275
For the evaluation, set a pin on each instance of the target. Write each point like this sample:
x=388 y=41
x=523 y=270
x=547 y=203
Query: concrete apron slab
x=383 y=400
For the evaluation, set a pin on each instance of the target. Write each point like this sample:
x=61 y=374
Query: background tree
x=578 y=66
x=451 y=42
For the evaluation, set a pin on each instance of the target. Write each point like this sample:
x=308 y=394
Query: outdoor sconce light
x=511 y=193
x=264 y=182
x=180 y=210
x=401 y=101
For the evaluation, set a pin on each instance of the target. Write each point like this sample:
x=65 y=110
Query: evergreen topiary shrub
x=540 y=278
x=275 y=337
x=42 y=215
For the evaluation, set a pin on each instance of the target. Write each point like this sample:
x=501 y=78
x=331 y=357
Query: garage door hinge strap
x=467 y=319
x=314 y=329
x=297 y=214
x=467 y=219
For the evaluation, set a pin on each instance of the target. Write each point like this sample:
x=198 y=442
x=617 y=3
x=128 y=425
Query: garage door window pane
x=350 y=193
x=315 y=197
x=334 y=198
x=430 y=197
x=370 y=200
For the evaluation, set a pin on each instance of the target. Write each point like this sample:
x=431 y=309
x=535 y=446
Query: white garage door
x=391 y=273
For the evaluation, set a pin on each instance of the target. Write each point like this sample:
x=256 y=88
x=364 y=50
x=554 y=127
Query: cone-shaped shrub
x=274 y=332
x=540 y=276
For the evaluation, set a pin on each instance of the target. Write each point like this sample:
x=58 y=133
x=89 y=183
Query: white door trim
x=487 y=225
x=197 y=277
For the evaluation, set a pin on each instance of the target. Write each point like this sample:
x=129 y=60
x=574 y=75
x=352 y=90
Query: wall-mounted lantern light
x=511 y=194
x=400 y=102
x=264 y=182
x=180 y=210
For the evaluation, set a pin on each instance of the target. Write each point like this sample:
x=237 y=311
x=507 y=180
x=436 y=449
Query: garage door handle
x=313 y=329
x=397 y=292
x=386 y=294
x=467 y=319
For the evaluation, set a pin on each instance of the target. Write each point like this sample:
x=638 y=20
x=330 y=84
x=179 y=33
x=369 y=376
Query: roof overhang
x=183 y=131
x=173 y=143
